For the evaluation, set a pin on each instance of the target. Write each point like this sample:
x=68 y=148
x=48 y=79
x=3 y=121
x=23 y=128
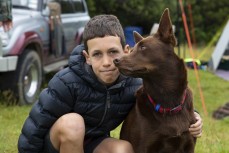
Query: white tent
x=221 y=47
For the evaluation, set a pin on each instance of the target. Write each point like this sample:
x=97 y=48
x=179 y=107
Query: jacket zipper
x=107 y=106
x=108 y=101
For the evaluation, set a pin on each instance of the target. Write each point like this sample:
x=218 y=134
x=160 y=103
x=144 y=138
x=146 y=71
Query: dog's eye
x=142 y=47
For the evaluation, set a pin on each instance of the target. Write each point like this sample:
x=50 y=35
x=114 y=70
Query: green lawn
x=11 y=121
x=215 y=138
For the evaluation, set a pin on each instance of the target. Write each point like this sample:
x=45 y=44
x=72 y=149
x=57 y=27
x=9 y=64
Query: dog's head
x=151 y=53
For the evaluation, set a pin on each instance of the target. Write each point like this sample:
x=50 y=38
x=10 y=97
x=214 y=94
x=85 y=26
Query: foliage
x=208 y=16
x=132 y=12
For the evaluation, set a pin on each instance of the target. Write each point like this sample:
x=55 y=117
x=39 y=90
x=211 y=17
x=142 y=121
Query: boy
x=86 y=100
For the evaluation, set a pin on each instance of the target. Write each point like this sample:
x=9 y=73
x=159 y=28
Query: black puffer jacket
x=76 y=89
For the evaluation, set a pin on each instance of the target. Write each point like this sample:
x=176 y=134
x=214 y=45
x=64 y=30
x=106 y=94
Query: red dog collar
x=162 y=110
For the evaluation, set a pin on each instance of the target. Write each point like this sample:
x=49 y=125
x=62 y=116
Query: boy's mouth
x=110 y=70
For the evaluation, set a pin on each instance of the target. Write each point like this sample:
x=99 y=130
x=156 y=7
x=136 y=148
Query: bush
x=208 y=16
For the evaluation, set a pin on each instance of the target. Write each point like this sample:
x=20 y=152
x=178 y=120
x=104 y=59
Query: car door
x=74 y=16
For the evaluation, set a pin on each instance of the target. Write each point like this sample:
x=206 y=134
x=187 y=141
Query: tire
x=29 y=80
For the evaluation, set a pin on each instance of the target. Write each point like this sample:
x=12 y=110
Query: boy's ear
x=165 y=30
x=88 y=60
x=126 y=49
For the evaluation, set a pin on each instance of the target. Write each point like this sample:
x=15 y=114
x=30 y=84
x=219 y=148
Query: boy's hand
x=196 y=128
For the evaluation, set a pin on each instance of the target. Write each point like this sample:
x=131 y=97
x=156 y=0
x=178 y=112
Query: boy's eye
x=96 y=54
x=113 y=52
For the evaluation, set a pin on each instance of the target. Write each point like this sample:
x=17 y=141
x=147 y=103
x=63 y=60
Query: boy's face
x=101 y=53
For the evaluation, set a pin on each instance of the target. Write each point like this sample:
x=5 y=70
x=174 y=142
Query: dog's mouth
x=133 y=72
x=129 y=68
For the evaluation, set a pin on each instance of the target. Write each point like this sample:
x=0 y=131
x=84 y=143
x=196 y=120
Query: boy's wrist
x=196 y=111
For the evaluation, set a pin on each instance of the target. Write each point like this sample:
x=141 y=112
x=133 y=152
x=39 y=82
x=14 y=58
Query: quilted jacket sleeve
x=53 y=102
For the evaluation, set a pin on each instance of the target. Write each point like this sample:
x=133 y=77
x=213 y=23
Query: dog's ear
x=137 y=37
x=165 y=30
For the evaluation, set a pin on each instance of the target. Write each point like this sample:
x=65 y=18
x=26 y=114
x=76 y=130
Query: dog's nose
x=116 y=61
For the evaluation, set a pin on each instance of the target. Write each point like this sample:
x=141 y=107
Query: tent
x=221 y=48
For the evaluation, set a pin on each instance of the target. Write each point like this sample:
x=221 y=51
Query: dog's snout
x=116 y=61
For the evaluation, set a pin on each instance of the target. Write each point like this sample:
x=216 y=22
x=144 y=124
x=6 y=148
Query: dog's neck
x=167 y=88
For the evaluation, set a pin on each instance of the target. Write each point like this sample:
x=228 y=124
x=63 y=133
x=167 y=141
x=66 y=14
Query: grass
x=215 y=138
x=11 y=121
x=215 y=90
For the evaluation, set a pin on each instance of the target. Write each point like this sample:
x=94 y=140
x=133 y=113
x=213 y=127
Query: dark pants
x=89 y=144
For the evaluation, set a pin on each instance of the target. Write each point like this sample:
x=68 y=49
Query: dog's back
x=160 y=120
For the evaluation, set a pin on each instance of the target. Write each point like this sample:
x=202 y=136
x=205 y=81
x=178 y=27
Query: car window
x=71 y=6
x=79 y=7
x=66 y=7
x=26 y=4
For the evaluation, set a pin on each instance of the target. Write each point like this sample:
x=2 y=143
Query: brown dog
x=160 y=120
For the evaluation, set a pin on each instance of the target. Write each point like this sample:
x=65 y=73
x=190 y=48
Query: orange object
x=192 y=54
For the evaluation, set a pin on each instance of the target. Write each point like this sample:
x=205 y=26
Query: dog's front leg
x=132 y=131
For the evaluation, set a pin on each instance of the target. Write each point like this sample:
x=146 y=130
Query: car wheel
x=29 y=74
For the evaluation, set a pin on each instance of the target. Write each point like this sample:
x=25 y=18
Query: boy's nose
x=107 y=61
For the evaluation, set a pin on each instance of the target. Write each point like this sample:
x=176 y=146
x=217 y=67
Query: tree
x=142 y=13
x=208 y=15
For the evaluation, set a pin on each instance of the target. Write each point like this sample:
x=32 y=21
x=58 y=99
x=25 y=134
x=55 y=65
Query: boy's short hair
x=101 y=26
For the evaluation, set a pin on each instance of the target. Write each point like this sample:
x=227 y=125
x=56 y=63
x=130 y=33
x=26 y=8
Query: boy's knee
x=69 y=127
x=114 y=146
x=123 y=147
x=72 y=121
